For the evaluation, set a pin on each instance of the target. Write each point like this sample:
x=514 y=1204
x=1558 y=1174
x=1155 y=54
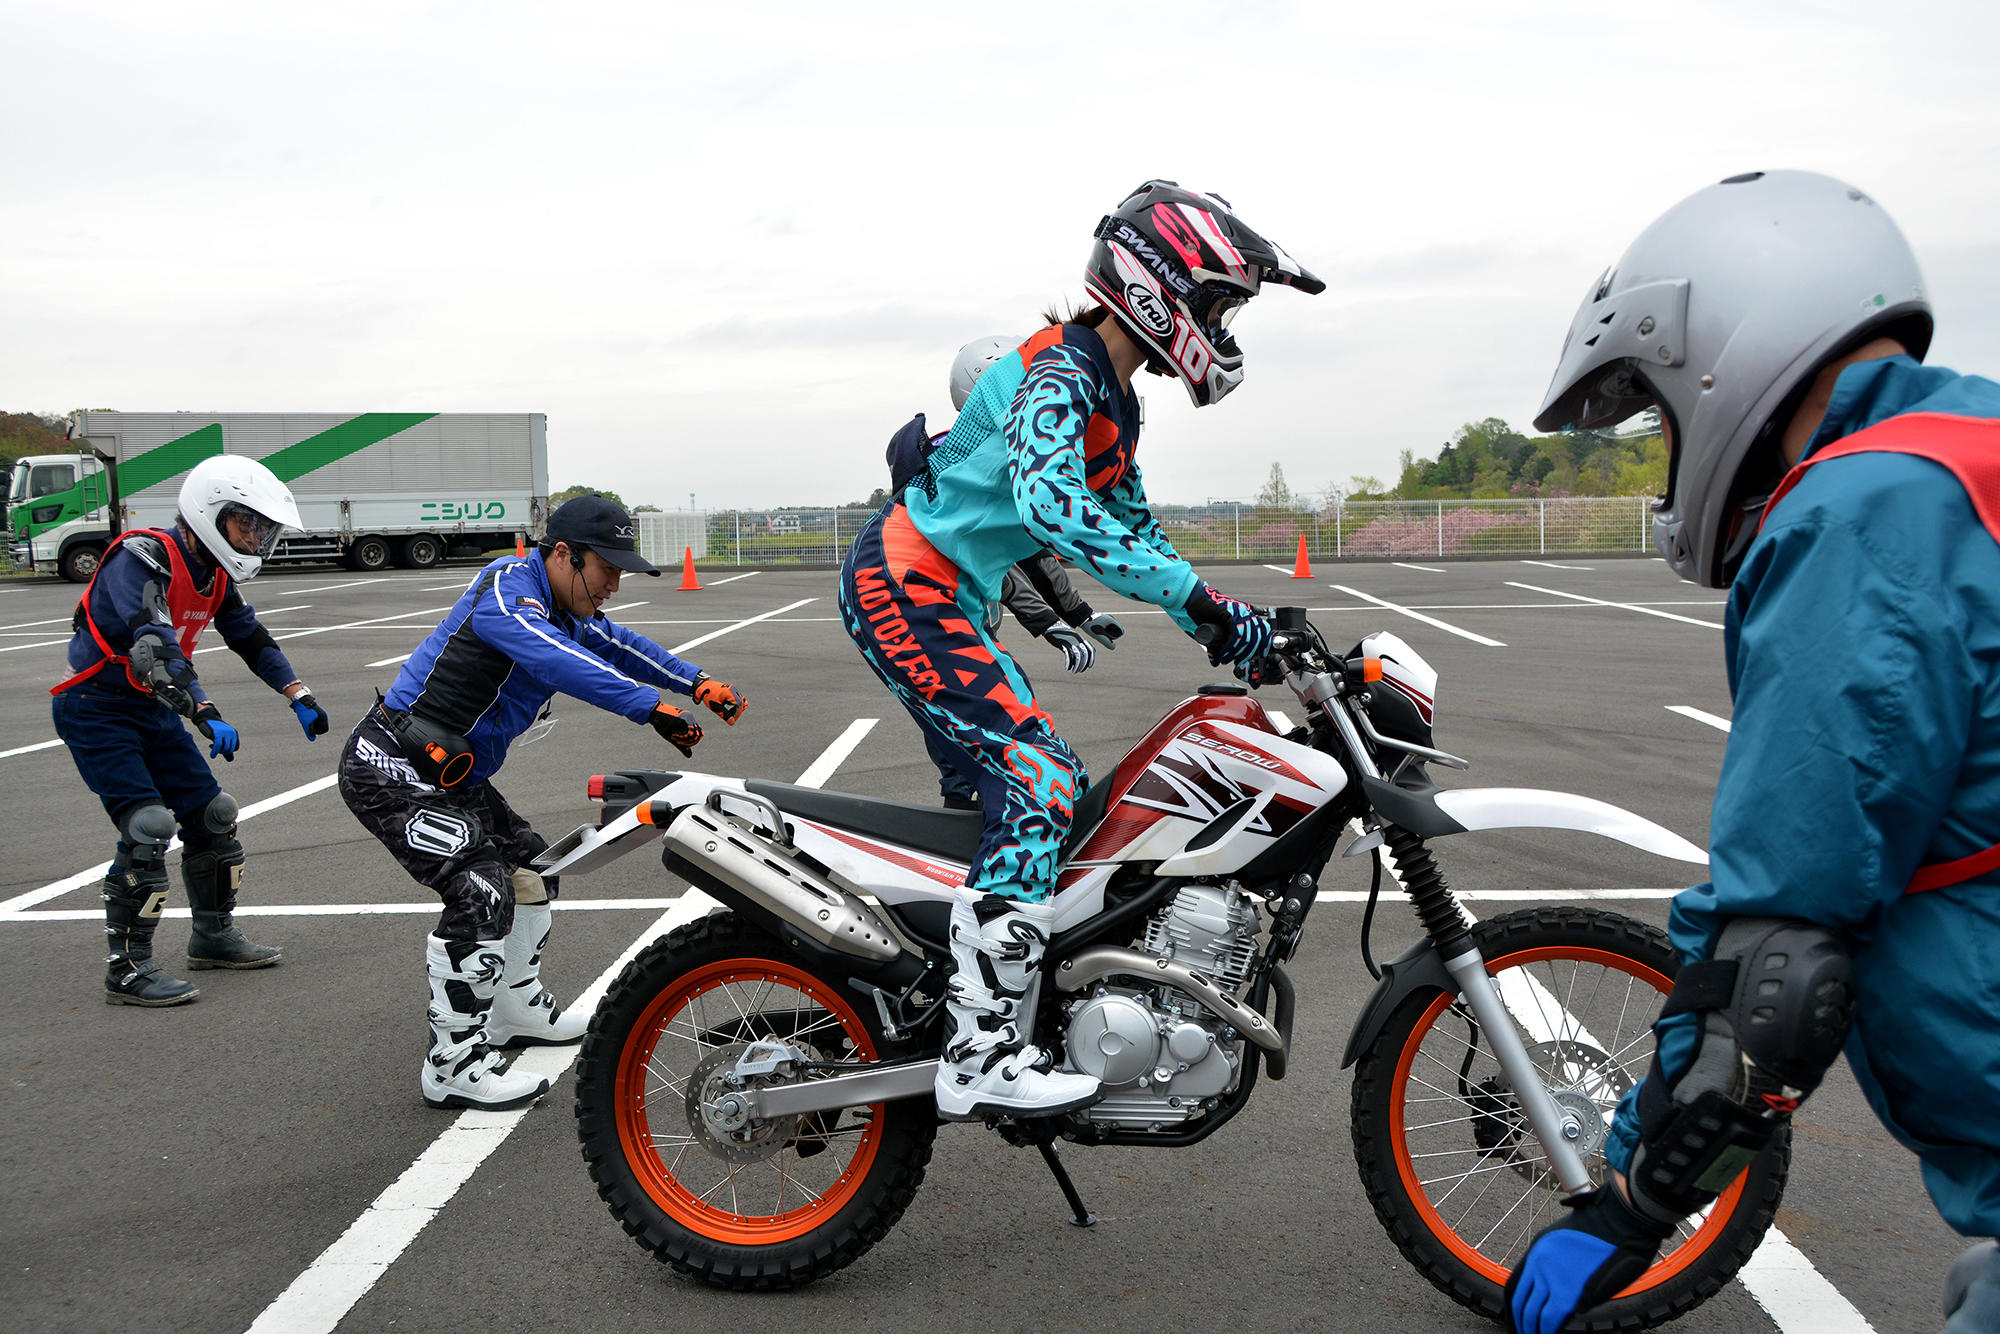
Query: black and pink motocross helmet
x=1174 y=267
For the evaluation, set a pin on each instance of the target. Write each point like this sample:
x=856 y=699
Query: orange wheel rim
x=644 y=1093
x=1691 y=1248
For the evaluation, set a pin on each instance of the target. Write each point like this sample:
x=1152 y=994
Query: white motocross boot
x=989 y=1067
x=460 y=1070
x=524 y=1014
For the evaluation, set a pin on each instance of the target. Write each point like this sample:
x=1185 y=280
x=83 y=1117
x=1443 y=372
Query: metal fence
x=1358 y=530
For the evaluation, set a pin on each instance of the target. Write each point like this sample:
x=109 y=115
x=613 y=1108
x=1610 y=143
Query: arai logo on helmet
x=1152 y=312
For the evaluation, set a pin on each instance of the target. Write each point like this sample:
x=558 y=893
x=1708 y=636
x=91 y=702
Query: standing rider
x=1037 y=590
x=1043 y=456
x=416 y=771
x=1849 y=499
x=131 y=671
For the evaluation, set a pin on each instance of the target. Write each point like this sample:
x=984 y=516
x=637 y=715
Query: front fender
x=1419 y=971
x=1431 y=812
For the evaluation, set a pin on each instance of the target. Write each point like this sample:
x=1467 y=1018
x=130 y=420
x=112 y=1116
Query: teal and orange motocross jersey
x=1043 y=456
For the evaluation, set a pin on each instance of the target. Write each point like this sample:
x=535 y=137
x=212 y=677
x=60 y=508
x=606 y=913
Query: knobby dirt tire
x=678 y=1200
x=1536 y=943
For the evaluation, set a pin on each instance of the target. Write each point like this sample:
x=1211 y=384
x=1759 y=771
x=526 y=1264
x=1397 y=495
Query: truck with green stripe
x=407 y=488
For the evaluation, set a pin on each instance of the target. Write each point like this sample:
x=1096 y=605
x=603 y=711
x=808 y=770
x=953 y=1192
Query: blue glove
x=1580 y=1261
x=1237 y=633
x=310 y=715
x=222 y=738
x=1104 y=628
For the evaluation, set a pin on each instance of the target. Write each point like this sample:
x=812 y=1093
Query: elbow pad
x=1775 y=1005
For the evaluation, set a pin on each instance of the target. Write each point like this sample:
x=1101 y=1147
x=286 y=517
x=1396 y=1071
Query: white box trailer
x=372 y=488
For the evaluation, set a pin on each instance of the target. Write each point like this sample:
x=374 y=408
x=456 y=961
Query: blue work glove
x=1580 y=1262
x=1104 y=628
x=222 y=738
x=310 y=715
x=1077 y=652
x=1236 y=632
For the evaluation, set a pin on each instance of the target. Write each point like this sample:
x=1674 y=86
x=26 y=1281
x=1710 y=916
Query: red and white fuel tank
x=1207 y=791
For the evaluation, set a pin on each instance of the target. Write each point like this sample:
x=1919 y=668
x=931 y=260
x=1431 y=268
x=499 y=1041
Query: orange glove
x=724 y=701
x=683 y=732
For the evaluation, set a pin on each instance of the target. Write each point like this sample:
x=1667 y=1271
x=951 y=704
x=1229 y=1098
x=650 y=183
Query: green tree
x=572 y=492
x=32 y=433
x=1276 y=494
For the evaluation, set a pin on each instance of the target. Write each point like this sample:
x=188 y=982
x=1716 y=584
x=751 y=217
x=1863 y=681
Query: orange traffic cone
x=520 y=547
x=1304 y=569
x=689 y=584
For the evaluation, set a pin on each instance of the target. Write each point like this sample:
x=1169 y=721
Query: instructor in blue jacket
x=416 y=774
x=1848 y=496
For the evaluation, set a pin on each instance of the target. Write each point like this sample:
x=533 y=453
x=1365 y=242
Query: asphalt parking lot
x=181 y=1169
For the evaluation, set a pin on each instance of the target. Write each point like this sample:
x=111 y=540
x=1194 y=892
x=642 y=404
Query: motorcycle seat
x=942 y=833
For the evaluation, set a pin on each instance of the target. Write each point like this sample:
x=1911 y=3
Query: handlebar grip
x=1206 y=635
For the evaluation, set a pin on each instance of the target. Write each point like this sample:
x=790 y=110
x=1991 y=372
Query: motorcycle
x=754 y=1093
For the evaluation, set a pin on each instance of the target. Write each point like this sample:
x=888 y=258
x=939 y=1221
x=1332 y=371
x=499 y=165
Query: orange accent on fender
x=1371 y=669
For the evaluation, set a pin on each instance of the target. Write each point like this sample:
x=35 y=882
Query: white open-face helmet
x=971 y=363
x=226 y=483
x=1721 y=315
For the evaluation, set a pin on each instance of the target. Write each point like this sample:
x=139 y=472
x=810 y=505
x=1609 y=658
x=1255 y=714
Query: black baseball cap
x=603 y=527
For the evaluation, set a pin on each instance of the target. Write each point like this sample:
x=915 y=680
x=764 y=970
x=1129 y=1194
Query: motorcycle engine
x=1161 y=1055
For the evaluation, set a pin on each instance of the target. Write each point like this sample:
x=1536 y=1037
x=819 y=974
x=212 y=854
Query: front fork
x=1446 y=926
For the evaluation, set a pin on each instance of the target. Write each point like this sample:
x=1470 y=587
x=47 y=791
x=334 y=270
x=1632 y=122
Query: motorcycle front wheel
x=755 y=1206
x=1455 y=1173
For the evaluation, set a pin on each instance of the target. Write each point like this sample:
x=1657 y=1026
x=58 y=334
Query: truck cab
x=58 y=515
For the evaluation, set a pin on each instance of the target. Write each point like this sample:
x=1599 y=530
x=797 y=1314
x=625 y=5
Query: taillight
x=594 y=789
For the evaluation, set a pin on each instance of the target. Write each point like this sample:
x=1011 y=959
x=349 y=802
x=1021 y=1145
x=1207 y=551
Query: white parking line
x=1622 y=606
x=39 y=643
x=717 y=634
x=1699 y=716
x=328 y=629
x=280 y=611
x=461 y=585
x=55 y=889
x=1419 y=616
x=1405 y=565
x=29 y=625
x=319 y=1298
x=734 y=577
x=23 y=750
x=1549 y=564
x=626 y=606
x=340 y=910
x=391 y=662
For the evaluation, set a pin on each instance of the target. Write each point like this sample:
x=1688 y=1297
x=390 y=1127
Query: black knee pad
x=1775 y=1004
x=213 y=828
x=147 y=830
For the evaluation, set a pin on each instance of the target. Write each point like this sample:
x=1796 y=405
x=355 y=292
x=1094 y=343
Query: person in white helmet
x=1848 y=497
x=1037 y=590
x=132 y=680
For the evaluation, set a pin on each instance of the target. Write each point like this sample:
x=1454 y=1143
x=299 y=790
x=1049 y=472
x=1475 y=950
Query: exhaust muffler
x=772 y=875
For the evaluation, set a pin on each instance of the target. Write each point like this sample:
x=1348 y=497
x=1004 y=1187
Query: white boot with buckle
x=989 y=1066
x=461 y=1070
x=524 y=1014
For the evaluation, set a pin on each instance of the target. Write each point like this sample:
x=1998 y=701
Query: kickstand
x=1079 y=1216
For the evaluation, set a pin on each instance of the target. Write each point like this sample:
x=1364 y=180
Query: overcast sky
x=728 y=249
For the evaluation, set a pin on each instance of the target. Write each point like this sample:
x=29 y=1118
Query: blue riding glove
x=1241 y=635
x=1581 y=1261
x=310 y=715
x=1104 y=628
x=222 y=738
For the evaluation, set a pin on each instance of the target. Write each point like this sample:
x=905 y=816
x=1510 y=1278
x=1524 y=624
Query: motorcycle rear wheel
x=1456 y=1176
x=769 y=1205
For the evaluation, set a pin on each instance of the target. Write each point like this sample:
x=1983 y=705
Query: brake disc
x=1588 y=1084
x=719 y=1115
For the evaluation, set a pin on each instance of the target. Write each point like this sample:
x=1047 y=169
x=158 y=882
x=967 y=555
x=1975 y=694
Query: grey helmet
x=972 y=361
x=1720 y=315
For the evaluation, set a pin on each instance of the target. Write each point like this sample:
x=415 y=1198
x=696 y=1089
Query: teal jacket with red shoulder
x=1863 y=645
x=1043 y=455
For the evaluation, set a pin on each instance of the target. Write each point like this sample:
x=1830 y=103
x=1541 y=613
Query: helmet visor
x=249 y=532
